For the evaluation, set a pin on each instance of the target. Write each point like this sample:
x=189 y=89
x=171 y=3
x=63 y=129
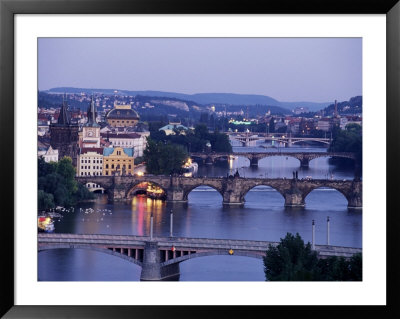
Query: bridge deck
x=178 y=242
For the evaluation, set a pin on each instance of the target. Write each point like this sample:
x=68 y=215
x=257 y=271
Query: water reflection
x=263 y=217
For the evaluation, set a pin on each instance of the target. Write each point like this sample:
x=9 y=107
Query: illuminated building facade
x=119 y=160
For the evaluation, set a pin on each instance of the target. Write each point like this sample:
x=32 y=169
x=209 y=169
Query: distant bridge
x=232 y=189
x=247 y=138
x=254 y=157
x=160 y=257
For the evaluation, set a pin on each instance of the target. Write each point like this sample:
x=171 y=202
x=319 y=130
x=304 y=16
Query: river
x=263 y=217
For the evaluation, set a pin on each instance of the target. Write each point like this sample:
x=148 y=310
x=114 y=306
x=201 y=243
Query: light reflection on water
x=263 y=217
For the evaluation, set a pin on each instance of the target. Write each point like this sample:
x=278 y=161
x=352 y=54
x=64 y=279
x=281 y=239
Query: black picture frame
x=8 y=8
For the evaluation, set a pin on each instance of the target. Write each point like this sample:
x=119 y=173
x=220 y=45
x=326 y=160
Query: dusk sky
x=286 y=69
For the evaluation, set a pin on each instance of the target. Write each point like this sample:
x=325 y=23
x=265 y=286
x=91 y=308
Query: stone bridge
x=159 y=257
x=254 y=157
x=247 y=138
x=232 y=189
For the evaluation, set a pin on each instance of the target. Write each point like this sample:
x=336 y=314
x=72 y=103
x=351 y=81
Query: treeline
x=347 y=140
x=292 y=260
x=164 y=159
x=193 y=141
x=57 y=185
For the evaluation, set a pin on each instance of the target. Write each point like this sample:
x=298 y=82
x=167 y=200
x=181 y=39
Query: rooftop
x=109 y=150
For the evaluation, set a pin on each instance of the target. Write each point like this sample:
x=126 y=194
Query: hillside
x=148 y=106
x=203 y=98
x=352 y=106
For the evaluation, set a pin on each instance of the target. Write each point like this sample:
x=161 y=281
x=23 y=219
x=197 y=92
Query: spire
x=64 y=118
x=91 y=114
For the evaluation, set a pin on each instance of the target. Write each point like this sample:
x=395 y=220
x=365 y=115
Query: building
x=49 y=154
x=64 y=134
x=122 y=116
x=91 y=129
x=301 y=109
x=127 y=140
x=324 y=125
x=172 y=127
x=119 y=160
x=90 y=162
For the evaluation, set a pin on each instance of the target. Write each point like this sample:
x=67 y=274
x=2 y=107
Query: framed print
x=166 y=131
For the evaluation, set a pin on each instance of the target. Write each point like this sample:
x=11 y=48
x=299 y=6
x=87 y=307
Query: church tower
x=91 y=129
x=64 y=134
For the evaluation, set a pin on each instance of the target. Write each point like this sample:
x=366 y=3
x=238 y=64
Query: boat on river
x=45 y=224
x=155 y=192
x=190 y=168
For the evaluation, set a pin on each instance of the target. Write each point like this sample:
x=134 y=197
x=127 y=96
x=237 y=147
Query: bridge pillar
x=232 y=198
x=232 y=194
x=151 y=267
x=175 y=194
x=209 y=160
x=304 y=162
x=253 y=161
x=117 y=193
x=294 y=197
x=355 y=197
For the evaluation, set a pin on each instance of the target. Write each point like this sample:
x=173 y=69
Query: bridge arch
x=222 y=156
x=189 y=189
x=102 y=250
x=197 y=158
x=282 y=154
x=310 y=140
x=131 y=188
x=247 y=189
x=94 y=180
x=211 y=253
x=337 y=189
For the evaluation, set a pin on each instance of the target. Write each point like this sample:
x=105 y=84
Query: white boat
x=190 y=168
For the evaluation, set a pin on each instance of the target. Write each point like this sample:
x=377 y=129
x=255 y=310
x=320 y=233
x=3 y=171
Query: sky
x=286 y=69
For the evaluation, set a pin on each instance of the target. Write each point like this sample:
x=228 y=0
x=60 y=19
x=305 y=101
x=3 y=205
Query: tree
x=204 y=118
x=290 y=260
x=164 y=159
x=348 y=140
x=45 y=200
x=272 y=125
x=201 y=131
x=57 y=185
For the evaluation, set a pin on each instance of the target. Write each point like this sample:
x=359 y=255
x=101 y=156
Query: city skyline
x=286 y=69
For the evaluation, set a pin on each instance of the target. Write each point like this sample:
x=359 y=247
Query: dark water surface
x=263 y=217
